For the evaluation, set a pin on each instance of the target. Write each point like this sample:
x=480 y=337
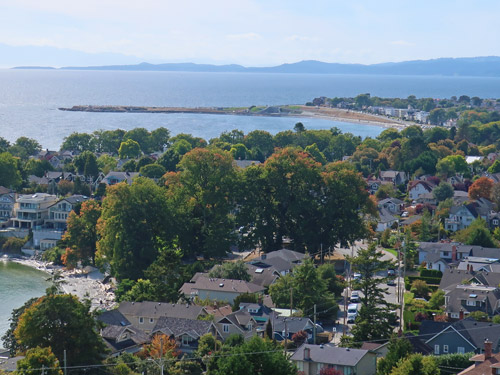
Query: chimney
x=487 y=349
x=461 y=314
x=307 y=354
x=263 y=257
x=453 y=253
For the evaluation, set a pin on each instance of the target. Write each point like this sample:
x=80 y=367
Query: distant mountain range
x=467 y=66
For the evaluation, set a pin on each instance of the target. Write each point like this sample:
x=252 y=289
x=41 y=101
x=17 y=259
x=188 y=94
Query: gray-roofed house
x=385 y=219
x=114 y=177
x=310 y=359
x=396 y=177
x=464 y=299
x=260 y=312
x=239 y=322
x=7 y=202
x=219 y=289
x=464 y=336
x=186 y=332
x=262 y=276
x=145 y=315
x=460 y=217
x=9 y=364
x=245 y=163
x=456 y=276
x=286 y=327
x=59 y=212
x=393 y=205
x=124 y=339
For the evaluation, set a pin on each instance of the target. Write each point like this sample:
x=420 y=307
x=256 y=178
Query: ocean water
x=29 y=99
x=18 y=284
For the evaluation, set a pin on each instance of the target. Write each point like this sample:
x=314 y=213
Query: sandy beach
x=83 y=285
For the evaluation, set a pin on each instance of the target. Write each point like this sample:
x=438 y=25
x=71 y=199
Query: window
x=495 y=221
x=445 y=348
x=185 y=339
x=141 y=320
x=225 y=328
x=249 y=326
x=471 y=303
x=151 y=320
x=436 y=349
x=460 y=350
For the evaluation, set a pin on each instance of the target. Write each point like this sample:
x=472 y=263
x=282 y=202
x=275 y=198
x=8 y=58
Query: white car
x=355 y=296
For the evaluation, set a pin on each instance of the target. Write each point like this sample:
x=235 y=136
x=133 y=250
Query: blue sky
x=255 y=32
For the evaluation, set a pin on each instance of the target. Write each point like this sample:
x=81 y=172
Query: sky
x=256 y=32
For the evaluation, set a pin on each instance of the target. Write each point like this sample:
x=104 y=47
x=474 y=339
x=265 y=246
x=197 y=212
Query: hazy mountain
x=48 y=56
x=469 y=66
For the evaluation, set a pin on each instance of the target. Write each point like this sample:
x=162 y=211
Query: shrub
x=421 y=288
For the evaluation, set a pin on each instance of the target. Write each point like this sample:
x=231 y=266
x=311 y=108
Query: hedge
x=428 y=280
x=431 y=273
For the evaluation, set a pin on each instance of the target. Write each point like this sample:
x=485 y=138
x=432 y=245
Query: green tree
x=106 y=163
x=495 y=167
x=417 y=364
x=203 y=193
x=315 y=153
x=10 y=176
x=134 y=221
x=437 y=116
x=372 y=322
x=129 y=149
x=299 y=127
x=81 y=232
x=159 y=138
x=239 y=151
x=452 y=363
x=362 y=101
x=436 y=301
x=231 y=270
x=334 y=285
x=443 y=191
x=308 y=289
x=78 y=142
x=267 y=360
x=260 y=139
x=141 y=136
x=9 y=339
x=37 y=358
x=152 y=170
x=24 y=147
x=477 y=233
x=37 y=167
x=63 y=323
x=398 y=348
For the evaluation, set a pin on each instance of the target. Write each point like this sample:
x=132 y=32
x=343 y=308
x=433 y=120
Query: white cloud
x=403 y=43
x=245 y=36
x=301 y=38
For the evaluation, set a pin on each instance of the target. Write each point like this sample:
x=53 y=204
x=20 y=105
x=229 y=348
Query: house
x=216 y=289
x=282 y=261
x=393 y=205
x=245 y=163
x=441 y=255
x=240 y=322
x=259 y=312
x=463 y=336
x=219 y=311
x=310 y=359
x=385 y=219
x=262 y=276
x=456 y=276
x=186 y=332
x=373 y=185
x=463 y=299
x=417 y=188
x=145 y=315
x=396 y=177
x=124 y=339
x=30 y=211
x=7 y=202
x=460 y=217
x=487 y=363
x=113 y=177
x=59 y=211
x=286 y=327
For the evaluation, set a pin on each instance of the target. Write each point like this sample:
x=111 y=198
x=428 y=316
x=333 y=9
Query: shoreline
x=298 y=111
x=83 y=285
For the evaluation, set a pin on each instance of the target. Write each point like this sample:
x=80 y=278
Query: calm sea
x=29 y=99
x=18 y=283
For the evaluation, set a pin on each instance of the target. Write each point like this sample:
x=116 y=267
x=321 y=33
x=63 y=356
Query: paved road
x=391 y=296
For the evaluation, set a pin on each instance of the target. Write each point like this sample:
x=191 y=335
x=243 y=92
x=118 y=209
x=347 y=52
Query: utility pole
x=43 y=369
x=65 y=366
x=161 y=355
x=314 y=329
x=291 y=302
x=286 y=334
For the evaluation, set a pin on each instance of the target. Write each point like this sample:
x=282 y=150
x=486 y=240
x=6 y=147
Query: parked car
x=356 y=276
x=355 y=296
x=391 y=272
x=352 y=312
x=391 y=282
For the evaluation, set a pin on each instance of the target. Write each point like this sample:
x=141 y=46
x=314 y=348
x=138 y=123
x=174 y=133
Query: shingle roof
x=113 y=317
x=180 y=326
x=221 y=285
x=330 y=355
x=293 y=325
x=262 y=276
x=159 y=309
x=289 y=255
